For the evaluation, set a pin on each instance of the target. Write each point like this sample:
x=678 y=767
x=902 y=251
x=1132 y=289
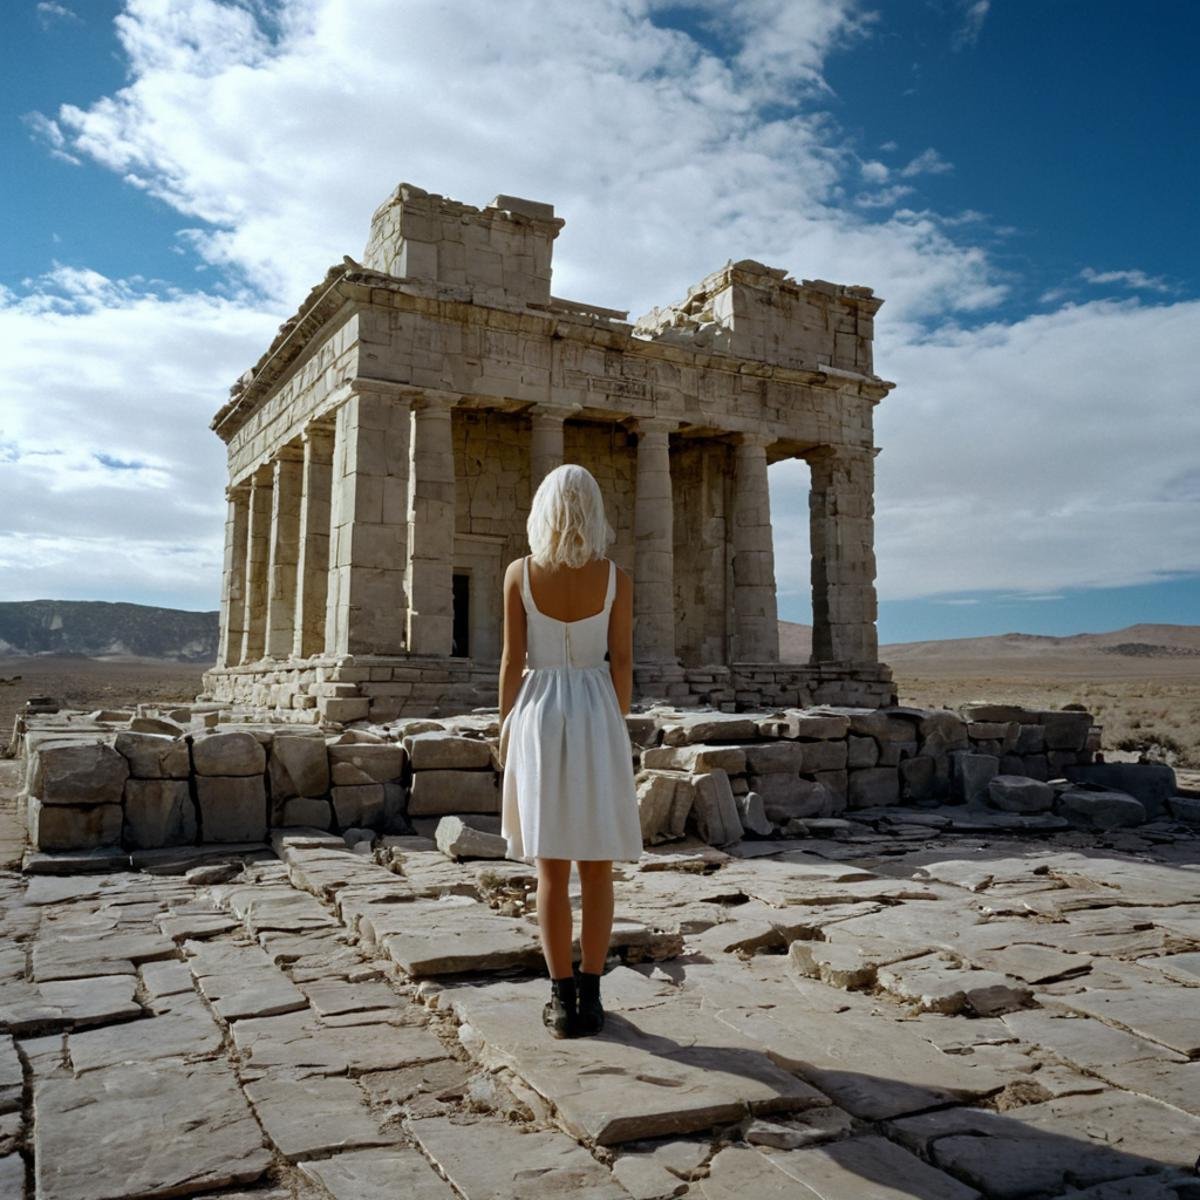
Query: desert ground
x=1140 y=702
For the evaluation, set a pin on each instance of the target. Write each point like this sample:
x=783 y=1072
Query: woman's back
x=568 y=627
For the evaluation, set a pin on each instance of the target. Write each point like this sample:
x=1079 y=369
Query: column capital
x=746 y=437
x=318 y=433
x=263 y=476
x=553 y=412
x=838 y=452
x=238 y=491
x=435 y=402
x=292 y=451
x=653 y=425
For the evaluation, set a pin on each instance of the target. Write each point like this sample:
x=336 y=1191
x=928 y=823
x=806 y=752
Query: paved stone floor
x=899 y=1005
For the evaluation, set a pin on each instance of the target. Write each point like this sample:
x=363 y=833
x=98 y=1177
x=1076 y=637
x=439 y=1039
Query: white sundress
x=568 y=787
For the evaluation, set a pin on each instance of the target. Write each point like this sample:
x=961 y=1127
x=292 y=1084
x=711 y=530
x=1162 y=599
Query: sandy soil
x=88 y=683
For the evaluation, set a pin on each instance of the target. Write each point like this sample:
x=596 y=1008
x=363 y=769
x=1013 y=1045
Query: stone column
x=285 y=551
x=546 y=440
x=755 y=615
x=842 y=537
x=368 y=532
x=654 y=551
x=258 y=550
x=233 y=577
x=431 y=518
x=312 y=568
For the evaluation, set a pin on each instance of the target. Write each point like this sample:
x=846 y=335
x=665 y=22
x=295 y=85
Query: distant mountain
x=98 y=629
x=1134 y=641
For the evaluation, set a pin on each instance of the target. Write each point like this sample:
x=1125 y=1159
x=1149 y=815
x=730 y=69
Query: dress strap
x=611 y=592
x=526 y=595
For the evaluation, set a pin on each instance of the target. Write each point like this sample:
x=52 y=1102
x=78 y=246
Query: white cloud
x=1135 y=280
x=974 y=14
x=43 y=129
x=50 y=12
x=274 y=144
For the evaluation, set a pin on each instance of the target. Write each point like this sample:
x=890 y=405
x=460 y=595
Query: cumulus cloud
x=274 y=131
x=1134 y=280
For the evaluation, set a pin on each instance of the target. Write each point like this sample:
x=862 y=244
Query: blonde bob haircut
x=567 y=526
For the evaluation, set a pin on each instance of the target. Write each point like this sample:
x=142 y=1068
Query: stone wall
x=145 y=782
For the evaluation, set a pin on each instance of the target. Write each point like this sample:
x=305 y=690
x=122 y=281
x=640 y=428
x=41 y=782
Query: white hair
x=566 y=525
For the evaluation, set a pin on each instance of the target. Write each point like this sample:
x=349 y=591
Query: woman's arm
x=512 y=657
x=620 y=641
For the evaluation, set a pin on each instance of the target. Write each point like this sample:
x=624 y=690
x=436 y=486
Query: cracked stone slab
x=935 y=985
x=186 y=1027
x=1083 y=1041
x=183 y=1127
x=11 y=1076
x=1041 y=1148
x=666 y=1068
x=109 y=953
x=1169 y=1015
x=276 y=908
x=871 y=1066
x=333 y=996
x=315 y=1115
x=487 y=1159
x=301 y=1043
x=862 y=1168
x=242 y=981
x=379 y=1175
x=12 y=1177
x=67 y=1003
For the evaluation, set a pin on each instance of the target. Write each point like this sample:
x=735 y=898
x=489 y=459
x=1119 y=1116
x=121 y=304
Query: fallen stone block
x=970 y=775
x=1153 y=784
x=710 y=727
x=1019 y=793
x=358 y=805
x=358 y=764
x=695 y=758
x=935 y=984
x=655 y=797
x=870 y=786
x=306 y=811
x=1100 y=810
x=752 y=815
x=456 y=839
x=1185 y=809
x=1065 y=730
x=713 y=809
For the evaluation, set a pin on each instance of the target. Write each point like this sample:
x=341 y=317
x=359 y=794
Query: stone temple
x=384 y=449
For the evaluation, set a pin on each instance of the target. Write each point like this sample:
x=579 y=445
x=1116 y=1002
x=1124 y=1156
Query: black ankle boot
x=561 y=1012
x=591 y=1011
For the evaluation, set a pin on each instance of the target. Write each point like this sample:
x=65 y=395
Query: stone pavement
x=886 y=1008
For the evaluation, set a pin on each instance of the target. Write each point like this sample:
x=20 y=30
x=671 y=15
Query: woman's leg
x=554 y=914
x=595 y=879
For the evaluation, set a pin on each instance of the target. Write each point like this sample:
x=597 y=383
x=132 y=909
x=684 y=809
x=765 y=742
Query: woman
x=568 y=792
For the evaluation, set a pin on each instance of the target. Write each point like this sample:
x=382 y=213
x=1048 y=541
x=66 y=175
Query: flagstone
x=385 y=1174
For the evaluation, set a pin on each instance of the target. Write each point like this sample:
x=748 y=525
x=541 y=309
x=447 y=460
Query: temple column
x=258 y=550
x=654 y=551
x=284 y=552
x=233 y=575
x=368 y=527
x=756 y=625
x=431 y=519
x=546 y=440
x=842 y=538
x=312 y=568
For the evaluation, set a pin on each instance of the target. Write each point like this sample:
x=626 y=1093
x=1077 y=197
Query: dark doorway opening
x=460 y=646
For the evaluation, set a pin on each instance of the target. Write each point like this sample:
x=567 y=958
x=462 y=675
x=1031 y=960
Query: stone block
x=969 y=775
x=232 y=808
x=78 y=772
x=1031 y=739
x=307 y=811
x=154 y=755
x=695 y=758
x=435 y=751
x=655 y=797
x=714 y=810
x=1185 y=809
x=71 y=827
x=870 y=786
x=436 y=793
x=1065 y=730
x=796 y=798
x=158 y=812
x=344 y=708
x=226 y=754
x=456 y=839
x=1100 y=810
x=299 y=767
x=365 y=763
x=838 y=784
x=359 y=804
x=752 y=814
x=861 y=752
x=917 y=777
x=1020 y=794
x=769 y=757
x=824 y=756
x=891 y=754
x=1151 y=783
x=943 y=723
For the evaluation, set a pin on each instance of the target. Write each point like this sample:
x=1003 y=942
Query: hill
x=104 y=630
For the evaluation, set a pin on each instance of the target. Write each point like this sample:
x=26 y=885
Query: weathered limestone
x=312 y=562
x=546 y=439
x=258 y=542
x=756 y=624
x=233 y=580
x=431 y=514
x=653 y=531
x=282 y=564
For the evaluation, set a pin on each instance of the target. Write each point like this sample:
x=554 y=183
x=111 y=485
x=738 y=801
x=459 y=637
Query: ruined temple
x=383 y=452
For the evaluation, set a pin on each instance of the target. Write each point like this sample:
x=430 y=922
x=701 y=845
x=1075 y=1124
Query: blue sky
x=1014 y=179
